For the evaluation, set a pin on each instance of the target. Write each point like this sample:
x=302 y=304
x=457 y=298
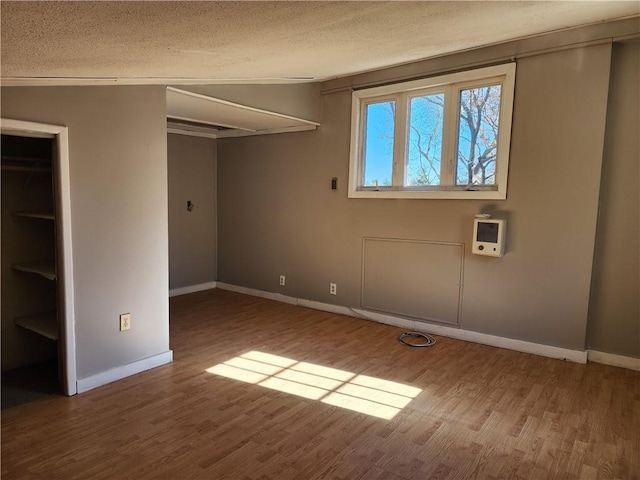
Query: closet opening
x=38 y=339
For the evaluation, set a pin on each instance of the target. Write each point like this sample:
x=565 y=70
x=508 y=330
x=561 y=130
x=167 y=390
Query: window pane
x=478 y=136
x=378 y=144
x=424 y=151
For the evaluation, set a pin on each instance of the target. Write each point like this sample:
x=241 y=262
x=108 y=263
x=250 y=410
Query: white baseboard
x=390 y=320
x=278 y=297
x=476 y=337
x=327 y=307
x=460 y=334
x=550 y=351
x=94 y=381
x=192 y=289
x=614 y=360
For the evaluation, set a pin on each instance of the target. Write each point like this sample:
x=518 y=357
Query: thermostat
x=488 y=236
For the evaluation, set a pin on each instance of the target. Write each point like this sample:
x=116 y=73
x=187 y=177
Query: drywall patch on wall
x=413 y=278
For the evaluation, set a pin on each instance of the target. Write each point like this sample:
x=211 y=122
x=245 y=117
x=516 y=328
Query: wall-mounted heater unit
x=488 y=236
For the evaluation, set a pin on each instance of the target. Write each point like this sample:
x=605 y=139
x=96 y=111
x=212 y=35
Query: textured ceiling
x=258 y=41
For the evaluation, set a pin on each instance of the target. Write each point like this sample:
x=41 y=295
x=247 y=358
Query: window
x=442 y=137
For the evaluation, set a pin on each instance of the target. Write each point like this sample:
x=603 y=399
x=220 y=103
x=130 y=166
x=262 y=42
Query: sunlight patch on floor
x=359 y=393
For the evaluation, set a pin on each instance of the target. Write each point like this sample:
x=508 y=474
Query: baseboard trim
x=328 y=307
x=192 y=289
x=94 y=381
x=614 y=360
x=576 y=356
x=278 y=297
x=523 y=346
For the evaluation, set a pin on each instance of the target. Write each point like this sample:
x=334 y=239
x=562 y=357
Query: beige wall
x=192 y=234
x=278 y=215
x=118 y=175
x=614 y=316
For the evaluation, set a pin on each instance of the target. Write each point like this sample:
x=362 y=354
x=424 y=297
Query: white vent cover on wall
x=201 y=115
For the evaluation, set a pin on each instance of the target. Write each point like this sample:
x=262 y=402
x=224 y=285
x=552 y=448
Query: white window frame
x=451 y=85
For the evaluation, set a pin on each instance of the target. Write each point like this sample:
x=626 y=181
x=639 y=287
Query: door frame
x=65 y=252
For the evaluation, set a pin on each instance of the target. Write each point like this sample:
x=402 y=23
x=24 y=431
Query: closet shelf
x=19 y=168
x=45 y=269
x=44 y=324
x=23 y=159
x=40 y=215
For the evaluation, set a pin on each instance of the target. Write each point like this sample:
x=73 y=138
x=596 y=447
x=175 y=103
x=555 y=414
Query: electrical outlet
x=282 y=280
x=125 y=321
x=333 y=289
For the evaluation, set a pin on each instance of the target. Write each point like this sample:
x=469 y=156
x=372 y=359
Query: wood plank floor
x=481 y=412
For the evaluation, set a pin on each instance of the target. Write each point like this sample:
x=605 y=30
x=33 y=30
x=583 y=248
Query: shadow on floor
x=32 y=382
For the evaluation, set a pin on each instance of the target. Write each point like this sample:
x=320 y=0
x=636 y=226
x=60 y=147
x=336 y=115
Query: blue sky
x=379 y=139
x=378 y=144
x=426 y=116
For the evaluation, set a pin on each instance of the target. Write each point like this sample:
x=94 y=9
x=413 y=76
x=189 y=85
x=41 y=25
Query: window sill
x=431 y=194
